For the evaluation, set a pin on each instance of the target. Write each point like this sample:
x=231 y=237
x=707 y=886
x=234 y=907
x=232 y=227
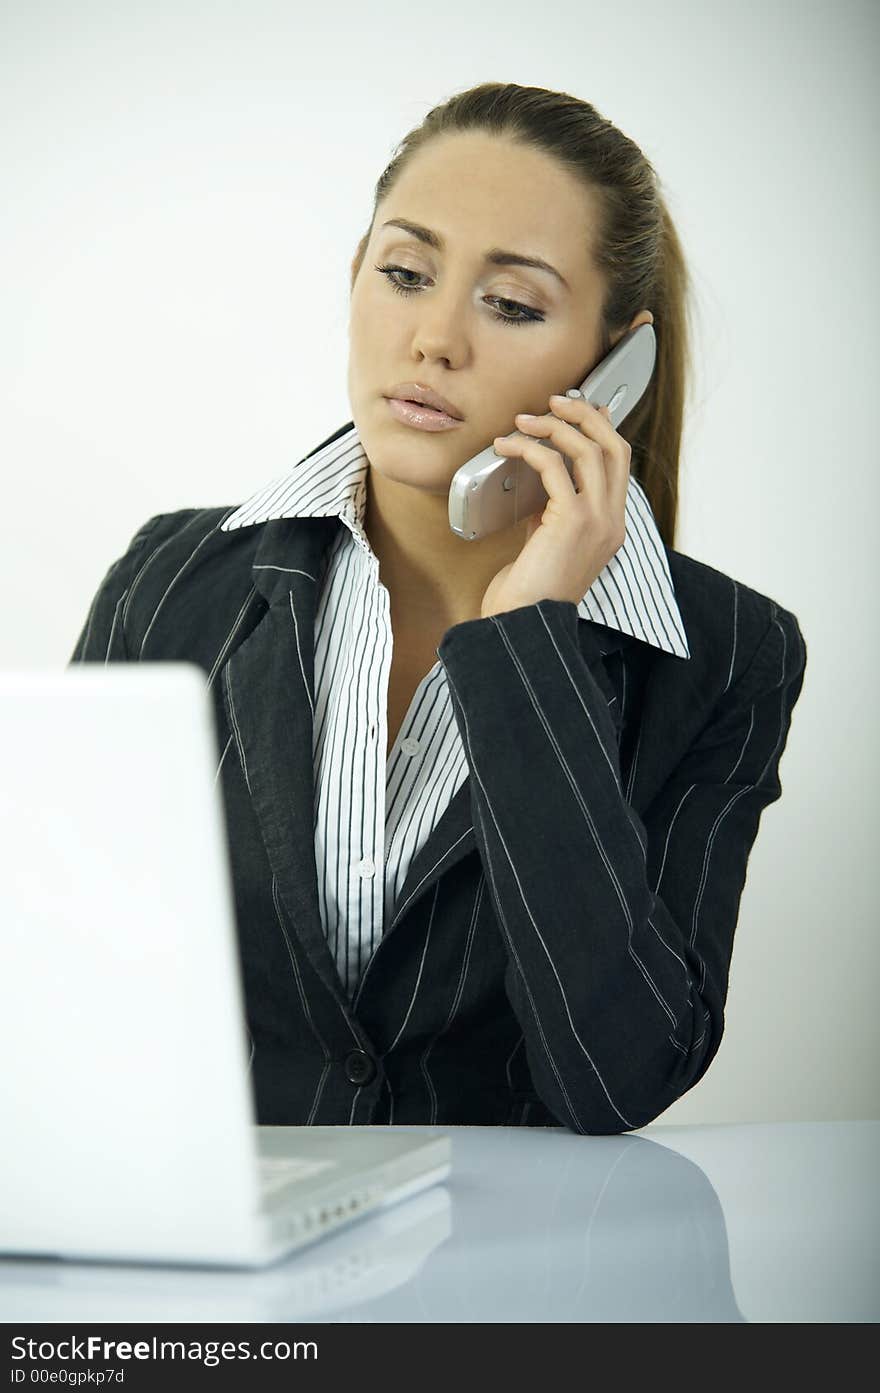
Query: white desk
x=763 y=1222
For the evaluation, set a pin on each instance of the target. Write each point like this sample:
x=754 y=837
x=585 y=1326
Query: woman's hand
x=583 y=523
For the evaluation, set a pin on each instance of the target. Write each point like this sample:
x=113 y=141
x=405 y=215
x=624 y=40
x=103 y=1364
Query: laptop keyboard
x=275 y=1171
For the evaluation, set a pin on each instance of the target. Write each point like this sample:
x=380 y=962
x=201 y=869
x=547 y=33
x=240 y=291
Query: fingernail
x=525 y=416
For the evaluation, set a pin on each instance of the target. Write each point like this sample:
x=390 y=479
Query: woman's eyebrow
x=495 y=254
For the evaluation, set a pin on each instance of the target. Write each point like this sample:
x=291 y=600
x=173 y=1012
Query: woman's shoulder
x=728 y=621
x=167 y=540
x=166 y=527
x=714 y=597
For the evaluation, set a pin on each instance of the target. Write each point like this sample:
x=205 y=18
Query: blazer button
x=359 y=1067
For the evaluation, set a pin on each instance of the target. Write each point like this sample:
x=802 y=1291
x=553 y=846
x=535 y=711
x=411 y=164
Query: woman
x=489 y=804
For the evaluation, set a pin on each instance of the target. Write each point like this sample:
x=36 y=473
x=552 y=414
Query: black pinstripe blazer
x=559 y=952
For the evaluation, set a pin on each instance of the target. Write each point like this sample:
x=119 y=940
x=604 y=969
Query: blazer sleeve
x=619 y=930
x=102 y=638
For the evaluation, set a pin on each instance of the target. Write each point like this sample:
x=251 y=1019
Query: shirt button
x=410 y=746
x=359 y=1067
x=366 y=866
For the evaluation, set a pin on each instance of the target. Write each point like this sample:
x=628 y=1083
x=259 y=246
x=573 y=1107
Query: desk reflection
x=533 y=1225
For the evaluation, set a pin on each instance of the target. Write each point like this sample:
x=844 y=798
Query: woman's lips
x=422 y=417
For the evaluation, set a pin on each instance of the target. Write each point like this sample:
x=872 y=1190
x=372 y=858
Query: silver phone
x=493 y=491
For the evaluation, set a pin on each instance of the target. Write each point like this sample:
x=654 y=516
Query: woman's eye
x=526 y=315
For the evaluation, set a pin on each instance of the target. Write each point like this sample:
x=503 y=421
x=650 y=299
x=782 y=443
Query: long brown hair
x=635 y=248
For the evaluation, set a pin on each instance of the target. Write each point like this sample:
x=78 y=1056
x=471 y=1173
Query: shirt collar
x=633 y=593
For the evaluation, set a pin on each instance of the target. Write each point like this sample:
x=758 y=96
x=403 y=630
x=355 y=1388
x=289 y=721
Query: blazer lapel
x=268 y=687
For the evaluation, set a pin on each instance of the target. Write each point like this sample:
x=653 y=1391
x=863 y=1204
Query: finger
x=548 y=463
x=619 y=478
x=596 y=422
x=566 y=435
x=590 y=469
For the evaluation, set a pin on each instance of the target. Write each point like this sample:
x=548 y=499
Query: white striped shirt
x=371 y=814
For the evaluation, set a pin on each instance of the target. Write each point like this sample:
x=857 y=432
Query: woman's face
x=457 y=332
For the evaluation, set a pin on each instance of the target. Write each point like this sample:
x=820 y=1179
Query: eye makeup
x=527 y=315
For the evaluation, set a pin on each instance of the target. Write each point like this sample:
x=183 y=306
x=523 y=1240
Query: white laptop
x=128 y=1121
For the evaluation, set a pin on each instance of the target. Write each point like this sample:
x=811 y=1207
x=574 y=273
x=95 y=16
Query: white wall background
x=182 y=186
